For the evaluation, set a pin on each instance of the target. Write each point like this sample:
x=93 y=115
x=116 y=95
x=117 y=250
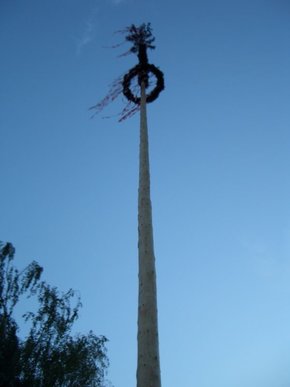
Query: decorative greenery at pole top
x=140 y=36
x=142 y=39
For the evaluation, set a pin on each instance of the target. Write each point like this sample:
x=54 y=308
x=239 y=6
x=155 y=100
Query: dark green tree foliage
x=49 y=355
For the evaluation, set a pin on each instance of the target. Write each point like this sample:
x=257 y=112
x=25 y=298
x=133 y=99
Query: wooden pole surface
x=148 y=367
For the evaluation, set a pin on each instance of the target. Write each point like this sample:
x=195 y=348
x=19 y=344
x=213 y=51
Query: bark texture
x=148 y=368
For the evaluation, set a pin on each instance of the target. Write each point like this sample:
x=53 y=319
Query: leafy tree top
x=49 y=355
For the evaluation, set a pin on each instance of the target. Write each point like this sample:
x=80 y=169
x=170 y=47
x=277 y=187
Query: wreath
x=141 y=71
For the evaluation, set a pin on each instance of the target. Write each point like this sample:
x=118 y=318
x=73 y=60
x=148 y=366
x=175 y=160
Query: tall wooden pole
x=148 y=368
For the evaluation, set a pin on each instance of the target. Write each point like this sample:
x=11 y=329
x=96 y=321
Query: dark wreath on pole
x=144 y=73
x=142 y=39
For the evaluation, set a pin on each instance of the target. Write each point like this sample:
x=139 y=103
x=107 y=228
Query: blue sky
x=219 y=148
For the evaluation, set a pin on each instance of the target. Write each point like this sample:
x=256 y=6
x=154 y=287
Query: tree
x=49 y=356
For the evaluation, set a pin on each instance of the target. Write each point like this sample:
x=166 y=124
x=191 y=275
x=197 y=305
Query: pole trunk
x=148 y=368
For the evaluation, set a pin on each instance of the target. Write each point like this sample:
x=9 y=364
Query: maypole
x=148 y=366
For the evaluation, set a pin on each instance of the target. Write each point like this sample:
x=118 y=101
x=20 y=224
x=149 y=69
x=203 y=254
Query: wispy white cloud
x=89 y=27
x=88 y=32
